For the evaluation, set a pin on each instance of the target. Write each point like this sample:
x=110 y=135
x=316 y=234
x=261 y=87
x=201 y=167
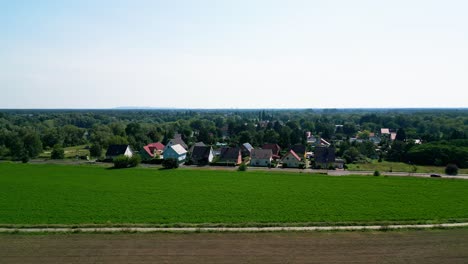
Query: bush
x=302 y=165
x=121 y=161
x=170 y=163
x=451 y=169
x=134 y=161
x=242 y=167
x=285 y=165
x=57 y=153
x=331 y=167
x=376 y=173
x=25 y=159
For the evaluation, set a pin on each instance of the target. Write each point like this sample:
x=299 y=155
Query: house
x=291 y=160
x=261 y=157
x=175 y=152
x=152 y=150
x=274 y=148
x=375 y=139
x=202 y=155
x=230 y=156
x=339 y=163
x=385 y=131
x=324 y=157
x=199 y=144
x=117 y=150
x=246 y=149
x=175 y=141
x=300 y=150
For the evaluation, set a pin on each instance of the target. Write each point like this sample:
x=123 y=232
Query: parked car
x=436 y=175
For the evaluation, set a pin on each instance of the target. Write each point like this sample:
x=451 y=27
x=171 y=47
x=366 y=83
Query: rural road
x=223 y=229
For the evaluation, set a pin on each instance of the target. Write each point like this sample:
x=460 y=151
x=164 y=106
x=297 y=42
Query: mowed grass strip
x=58 y=194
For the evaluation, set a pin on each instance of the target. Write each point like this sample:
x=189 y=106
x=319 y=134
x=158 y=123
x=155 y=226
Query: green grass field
x=60 y=194
x=70 y=152
x=386 y=166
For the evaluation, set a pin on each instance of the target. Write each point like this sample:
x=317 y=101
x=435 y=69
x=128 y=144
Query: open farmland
x=57 y=194
x=429 y=246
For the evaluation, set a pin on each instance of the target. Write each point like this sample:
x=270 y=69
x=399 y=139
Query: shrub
x=121 y=162
x=285 y=165
x=242 y=167
x=376 y=173
x=170 y=163
x=57 y=153
x=134 y=161
x=302 y=165
x=451 y=169
x=25 y=159
x=331 y=167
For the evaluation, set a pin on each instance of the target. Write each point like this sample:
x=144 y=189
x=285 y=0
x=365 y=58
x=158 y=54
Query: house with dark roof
x=324 y=157
x=261 y=157
x=299 y=149
x=117 y=150
x=246 y=148
x=199 y=144
x=175 y=152
x=291 y=160
x=152 y=150
x=202 y=155
x=230 y=156
x=175 y=141
x=275 y=148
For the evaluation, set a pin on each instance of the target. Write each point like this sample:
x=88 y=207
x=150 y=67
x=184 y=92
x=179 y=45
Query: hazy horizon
x=233 y=55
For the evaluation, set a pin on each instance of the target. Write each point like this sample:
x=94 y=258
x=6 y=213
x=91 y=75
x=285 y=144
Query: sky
x=233 y=54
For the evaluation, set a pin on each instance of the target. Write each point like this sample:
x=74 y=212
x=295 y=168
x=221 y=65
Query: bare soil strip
x=416 y=246
x=223 y=229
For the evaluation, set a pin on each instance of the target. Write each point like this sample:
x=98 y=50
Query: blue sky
x=233 y=54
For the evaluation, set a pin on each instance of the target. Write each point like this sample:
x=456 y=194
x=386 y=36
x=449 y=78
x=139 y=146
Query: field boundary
x=226 y=229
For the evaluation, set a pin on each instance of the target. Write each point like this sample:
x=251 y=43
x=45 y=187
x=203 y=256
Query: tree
x=32 y=144
x=451 y=169
x=134 y=161
x=57 y=152
x=352 y=154
x=95 y=150
x=120 y=162
x=401 y=135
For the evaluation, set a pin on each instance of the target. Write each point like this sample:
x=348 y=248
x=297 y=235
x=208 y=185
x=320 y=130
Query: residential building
x=117 y=150
x=261 y=157
x=202 y=155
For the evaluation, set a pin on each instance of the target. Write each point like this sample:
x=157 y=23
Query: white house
x=117 y=150
x=291 y=160
x=261 y=157
x=175 y=152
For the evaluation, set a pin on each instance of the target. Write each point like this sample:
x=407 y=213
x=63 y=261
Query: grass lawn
x=398 y=167
x=70 y=152
x=60 y=194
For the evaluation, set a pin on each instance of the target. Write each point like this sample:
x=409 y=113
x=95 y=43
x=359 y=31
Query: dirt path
x=222 y=229
x=429 y=246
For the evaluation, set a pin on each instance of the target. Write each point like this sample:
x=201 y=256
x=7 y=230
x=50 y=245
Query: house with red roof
x=275 y=148
x=152 y=150
x=291 y=160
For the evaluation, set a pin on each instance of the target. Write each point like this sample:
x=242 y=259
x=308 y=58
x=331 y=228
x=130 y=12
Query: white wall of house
x=291 y=162
x=128 y=152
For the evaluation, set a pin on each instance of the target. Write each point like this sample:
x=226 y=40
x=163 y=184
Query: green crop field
x=60 y=194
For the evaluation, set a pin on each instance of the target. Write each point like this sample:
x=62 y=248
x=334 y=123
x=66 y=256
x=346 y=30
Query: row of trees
x=26 y=133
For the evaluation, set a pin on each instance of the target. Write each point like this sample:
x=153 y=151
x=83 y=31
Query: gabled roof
x=156 y=145
x=176 y=141
x=247 y=146
x=178 y=149
x=197 y=144
x=324 y=154
x=228 y=153
x=384 y=131
x=201 y=152
x=261 y=154
x=115 y=150
x=274 y=147
x=299 y=149
x=293 y=154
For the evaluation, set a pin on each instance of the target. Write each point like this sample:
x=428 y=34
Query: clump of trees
x=451 y=169
x=57 y=152
x=170 y=163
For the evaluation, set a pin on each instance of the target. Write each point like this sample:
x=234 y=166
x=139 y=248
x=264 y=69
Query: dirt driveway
x=430 y=246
